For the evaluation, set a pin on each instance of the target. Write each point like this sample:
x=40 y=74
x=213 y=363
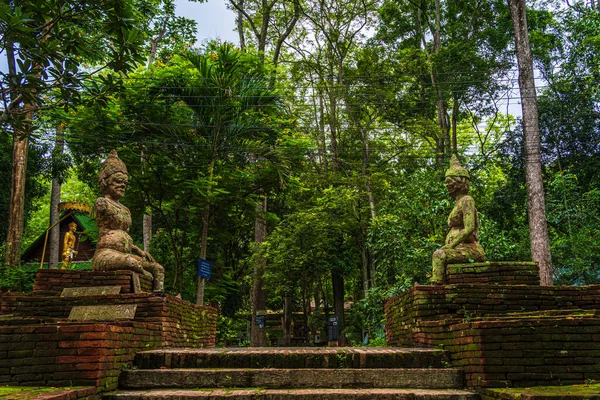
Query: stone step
x=296 y=357
x=272 y=378
x=295 y=394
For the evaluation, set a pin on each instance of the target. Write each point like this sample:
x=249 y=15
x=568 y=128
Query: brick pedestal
x=502 y=335
x=40 y=346
x=495 y=273
x=53 y=281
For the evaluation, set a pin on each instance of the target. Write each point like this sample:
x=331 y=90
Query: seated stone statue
x=462 y=242
x=115 y=249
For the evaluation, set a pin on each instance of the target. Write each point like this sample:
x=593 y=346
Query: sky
x=213 y=19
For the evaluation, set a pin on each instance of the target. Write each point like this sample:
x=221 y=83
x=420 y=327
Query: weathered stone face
x=117 y=184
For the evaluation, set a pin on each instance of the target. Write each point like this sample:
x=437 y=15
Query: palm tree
x=229 y=96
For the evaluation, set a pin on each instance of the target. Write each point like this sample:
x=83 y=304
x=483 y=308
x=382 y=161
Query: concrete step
x=295 y=394
x=430 y=378
x=295 y=357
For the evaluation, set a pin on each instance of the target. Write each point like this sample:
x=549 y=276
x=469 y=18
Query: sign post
x=204 y=268
x=260 y=319
x=332 y=331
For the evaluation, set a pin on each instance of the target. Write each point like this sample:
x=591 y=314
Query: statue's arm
x=469 y=217
x=141 y=253
x=101 y=208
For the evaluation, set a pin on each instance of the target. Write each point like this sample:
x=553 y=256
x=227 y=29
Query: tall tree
x=536 y=203
x=54 y=237
x=235 y=98
x=269 y=24
x=451 y=61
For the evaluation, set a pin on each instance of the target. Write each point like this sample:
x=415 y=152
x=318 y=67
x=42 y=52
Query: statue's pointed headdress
x=112 y=165
x=456 y=169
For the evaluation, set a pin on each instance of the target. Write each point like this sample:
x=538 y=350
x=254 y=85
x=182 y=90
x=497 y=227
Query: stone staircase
x=286 y=373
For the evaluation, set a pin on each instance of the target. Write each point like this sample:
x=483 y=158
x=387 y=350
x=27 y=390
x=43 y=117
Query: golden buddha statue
x=69 y=243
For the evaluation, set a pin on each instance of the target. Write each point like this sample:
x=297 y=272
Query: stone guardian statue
x=115 y=249
x=462 y=241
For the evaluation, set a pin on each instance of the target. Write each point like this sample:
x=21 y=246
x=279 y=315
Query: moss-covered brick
x=499 y=329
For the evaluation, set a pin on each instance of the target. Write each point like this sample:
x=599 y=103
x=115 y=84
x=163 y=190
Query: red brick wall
x=74 y=354
x=528 y=351
x=425 y=303
x=40 y=346
x=182 y=323
x=504 y=335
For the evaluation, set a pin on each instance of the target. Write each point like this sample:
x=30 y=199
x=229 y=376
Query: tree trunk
x=258 y=336
x=203 y=244
x=240 y=27
x=454 y=121
x=306 y=311
x=156 y=40
x=147 y=231
x=54 y=238
x=538 y=228
x=204 y=237
x=287 y=319
x=333 y=129
x=365 y=260
x=337 y=280
x=17 y=190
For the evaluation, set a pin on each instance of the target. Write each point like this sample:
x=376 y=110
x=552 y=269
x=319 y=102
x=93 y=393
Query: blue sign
x=260 y=320
x=204 y=268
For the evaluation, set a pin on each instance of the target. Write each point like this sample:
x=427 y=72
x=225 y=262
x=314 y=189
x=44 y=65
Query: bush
x=22 y=277
x=17 y=279
x=368 y=315
x=232 y=331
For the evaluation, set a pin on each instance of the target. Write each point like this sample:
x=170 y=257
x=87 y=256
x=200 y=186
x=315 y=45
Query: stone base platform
x=494 y=273
x=45 y=342
x=182 y=324
x=504 y=335
x=53 y=281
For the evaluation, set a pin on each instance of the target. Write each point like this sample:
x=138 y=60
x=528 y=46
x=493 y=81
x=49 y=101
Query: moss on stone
x=28 y=392
x=549 y=391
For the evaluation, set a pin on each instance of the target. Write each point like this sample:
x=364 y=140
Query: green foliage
x=574 y=222
x=22 y=277
x=51 y=39
x=348 y=150
x=299 y=249
x=367 y=315
x=222 y=142
x=18 y=279
x=38 y=218
x=34 y=188
x=410 y=226
x=233 y=331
